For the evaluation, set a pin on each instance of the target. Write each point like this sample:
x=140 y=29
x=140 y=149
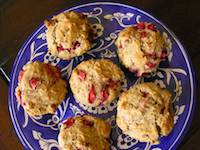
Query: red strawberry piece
x=82 y=75
x=143 y=34
x=104 y=95
x=150 y=65
x=60 y=48
x=141 y=25
x=92 y=95
x=33 y=82
x=21 y=73
x=152 y=27
x=163 y=54
x=88 y=123
x=144 y=94
x=76 y=44
x=69 y=122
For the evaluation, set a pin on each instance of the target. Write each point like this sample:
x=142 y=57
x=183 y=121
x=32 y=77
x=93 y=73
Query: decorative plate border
x=188 y=62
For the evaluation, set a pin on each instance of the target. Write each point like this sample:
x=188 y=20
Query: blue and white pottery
x=175 y=74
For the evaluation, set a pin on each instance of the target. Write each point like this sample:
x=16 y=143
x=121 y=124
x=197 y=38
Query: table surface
x=18 y=18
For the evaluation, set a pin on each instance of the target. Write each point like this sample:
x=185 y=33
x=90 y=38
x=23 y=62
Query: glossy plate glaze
x=108 y=19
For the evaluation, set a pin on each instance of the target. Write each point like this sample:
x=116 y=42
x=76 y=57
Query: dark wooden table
x=18 y=18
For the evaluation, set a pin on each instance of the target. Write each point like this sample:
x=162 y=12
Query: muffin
x=96 y=82
x=84 y=133
x=141 y=48
x=40 y=88
x=68 y=35
x=144 y=112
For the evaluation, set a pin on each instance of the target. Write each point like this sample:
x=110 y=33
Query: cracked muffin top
x=84 y=133
x=144 y=112
x=40 y=88
x=141 y=48
x=68 y=35
x=96 y=81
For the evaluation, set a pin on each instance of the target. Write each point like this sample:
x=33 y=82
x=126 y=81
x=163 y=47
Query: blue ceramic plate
x=108 y=19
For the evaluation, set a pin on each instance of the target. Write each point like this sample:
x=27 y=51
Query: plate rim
x=180 y=44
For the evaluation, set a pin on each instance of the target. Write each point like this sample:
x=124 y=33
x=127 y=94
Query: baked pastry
x=144 y=112
x=96 y=82
x=84 y=133
x=141 y=48
x=40 y=88
x=68 y=35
